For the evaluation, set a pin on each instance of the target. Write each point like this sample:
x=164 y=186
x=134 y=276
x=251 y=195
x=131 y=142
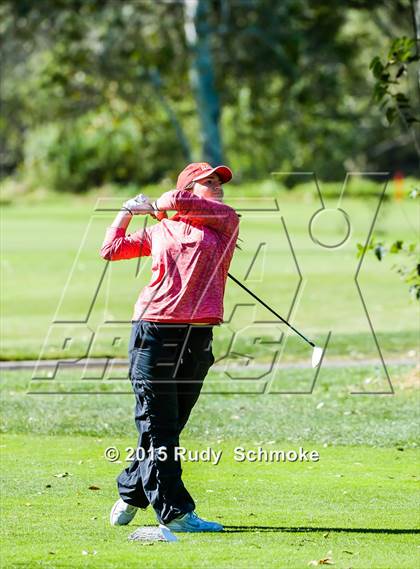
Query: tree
x=284 y=84
x=392 y=94
x=202 y=78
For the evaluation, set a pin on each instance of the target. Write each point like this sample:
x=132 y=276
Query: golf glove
x=140 y=205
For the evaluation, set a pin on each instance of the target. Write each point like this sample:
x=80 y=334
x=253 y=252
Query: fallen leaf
x=327 y=560
x=93 y=487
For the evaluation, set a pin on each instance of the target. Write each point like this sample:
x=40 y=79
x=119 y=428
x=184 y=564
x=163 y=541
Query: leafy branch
x=388 y=74
x=409 y=271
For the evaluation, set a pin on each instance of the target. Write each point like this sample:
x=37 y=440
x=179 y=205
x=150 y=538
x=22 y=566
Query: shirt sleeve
x=216 y=215
x=117 y=245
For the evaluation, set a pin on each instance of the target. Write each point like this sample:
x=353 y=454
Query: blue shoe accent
x=192 y=523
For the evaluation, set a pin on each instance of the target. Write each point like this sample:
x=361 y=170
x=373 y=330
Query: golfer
x=170 y=346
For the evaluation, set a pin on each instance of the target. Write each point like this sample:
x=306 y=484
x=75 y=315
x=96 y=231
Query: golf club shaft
x=271 y=310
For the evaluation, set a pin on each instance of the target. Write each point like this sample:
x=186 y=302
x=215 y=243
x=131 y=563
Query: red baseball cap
x=200 y=170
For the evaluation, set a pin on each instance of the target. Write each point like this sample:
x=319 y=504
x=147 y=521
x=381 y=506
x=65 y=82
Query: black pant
x=168 y=364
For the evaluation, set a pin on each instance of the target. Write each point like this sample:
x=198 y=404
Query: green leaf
x=400 y=71
x=415 y=292
x=360 y=250
x=415 y=192
x=377 y=67
x=379 y=251
x=401 y=97
x=374 y=62
x=396 y=246
x=379 y=92
x=391 y=113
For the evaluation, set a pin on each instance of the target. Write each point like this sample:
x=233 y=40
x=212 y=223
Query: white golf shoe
x=192 y=523
x=122 y=513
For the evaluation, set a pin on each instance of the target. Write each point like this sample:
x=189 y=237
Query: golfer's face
x=209 y=188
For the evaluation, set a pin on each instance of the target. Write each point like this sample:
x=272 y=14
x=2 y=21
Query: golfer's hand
x=140 y=205
x=159 y=215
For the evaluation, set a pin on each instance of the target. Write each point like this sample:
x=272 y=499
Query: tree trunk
x=416 y=22
x=157 y=82
x=416 y=10
x=202 y=78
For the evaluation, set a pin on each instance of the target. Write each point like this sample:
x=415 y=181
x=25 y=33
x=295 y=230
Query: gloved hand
x=140 y=205
x=159 y=215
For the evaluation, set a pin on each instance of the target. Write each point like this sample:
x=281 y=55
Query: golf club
x=317 y=352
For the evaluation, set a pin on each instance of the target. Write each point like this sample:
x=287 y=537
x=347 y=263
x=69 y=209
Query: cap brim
x=224 y=173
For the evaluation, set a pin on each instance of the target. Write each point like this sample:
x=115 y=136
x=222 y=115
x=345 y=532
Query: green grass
x=360 y=501
x=228 y=408
x=41 y=244
x=353 y=502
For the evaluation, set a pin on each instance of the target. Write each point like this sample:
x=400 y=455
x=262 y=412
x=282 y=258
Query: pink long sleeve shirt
x=191 y=254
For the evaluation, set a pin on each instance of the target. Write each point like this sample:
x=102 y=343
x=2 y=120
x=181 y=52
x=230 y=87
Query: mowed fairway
x=52 y=272
x=359 y=501
x=357 y=506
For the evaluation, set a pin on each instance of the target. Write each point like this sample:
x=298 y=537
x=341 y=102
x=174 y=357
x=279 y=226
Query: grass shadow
x=239 y=529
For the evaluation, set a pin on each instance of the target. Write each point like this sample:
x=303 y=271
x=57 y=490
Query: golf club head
x=317 y=356
x=150 y=534
x=167 y=534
